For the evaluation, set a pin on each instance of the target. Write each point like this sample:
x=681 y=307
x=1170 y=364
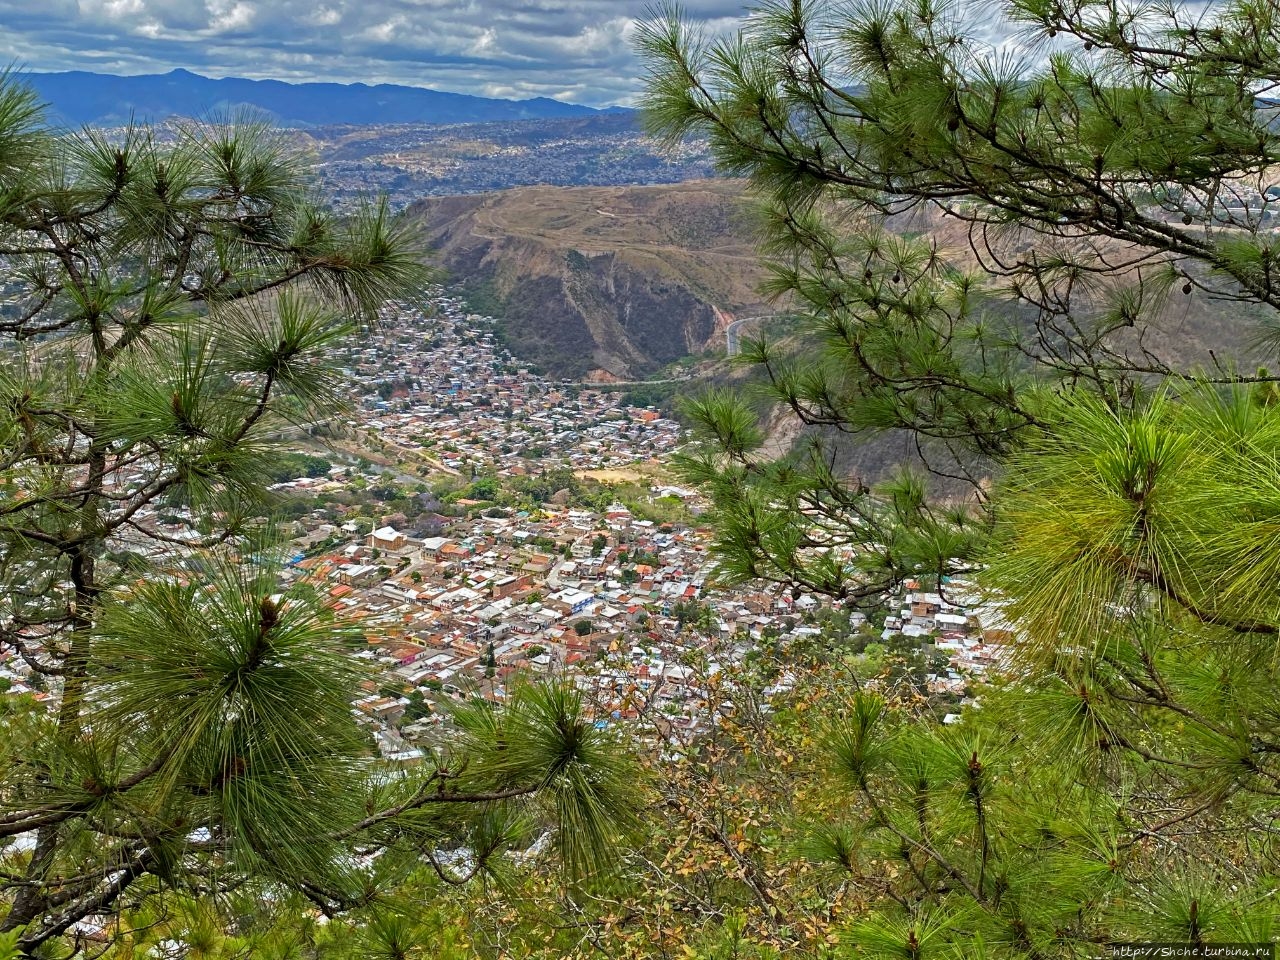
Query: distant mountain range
x=78 y=98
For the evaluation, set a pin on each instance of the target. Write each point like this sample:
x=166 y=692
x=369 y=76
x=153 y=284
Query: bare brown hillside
x=603 y=280
x=616 y=282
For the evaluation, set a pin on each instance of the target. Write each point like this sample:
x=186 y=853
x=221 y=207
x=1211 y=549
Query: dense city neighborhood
x=437 y=383
x=411 y=161
x=622 y=604
x=466 y=591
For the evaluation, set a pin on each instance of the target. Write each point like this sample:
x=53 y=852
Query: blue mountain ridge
x=80 y=98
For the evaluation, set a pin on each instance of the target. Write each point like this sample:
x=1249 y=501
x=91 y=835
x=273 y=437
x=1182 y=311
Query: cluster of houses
x=970 y=631
x=549 y=590
x=615 y=601
x=439 y=384
x=410 y=161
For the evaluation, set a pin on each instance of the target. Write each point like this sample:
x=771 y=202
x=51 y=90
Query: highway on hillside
x=732 y=337
x=598 y=384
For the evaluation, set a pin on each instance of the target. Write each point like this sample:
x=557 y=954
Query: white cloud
x=383 y=32
x=123 y=8
x=485 y=44
x=324 y=17
x=224 y=16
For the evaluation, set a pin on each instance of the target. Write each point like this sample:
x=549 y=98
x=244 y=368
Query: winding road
x=732 y=337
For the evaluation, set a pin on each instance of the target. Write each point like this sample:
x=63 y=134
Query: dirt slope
x=618 y=281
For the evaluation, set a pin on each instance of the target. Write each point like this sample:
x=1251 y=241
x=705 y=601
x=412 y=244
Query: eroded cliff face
x=604 y=282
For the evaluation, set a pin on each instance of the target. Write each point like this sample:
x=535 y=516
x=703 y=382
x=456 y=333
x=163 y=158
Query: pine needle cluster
x=985 y=248
x=171 y=302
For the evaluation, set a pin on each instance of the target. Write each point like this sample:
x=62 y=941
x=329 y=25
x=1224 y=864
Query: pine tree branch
x=1161 y=583
x=12 y=824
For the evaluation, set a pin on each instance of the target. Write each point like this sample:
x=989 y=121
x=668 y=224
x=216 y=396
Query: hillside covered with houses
x=464 y=566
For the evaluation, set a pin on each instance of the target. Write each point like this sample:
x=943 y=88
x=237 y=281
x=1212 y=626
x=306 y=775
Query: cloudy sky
x=575 y=50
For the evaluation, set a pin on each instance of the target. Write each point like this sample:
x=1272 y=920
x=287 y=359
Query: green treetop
x=170 y=301
x=1106 y=175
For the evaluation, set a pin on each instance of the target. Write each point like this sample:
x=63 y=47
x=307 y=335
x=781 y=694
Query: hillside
x=1192 y=333
x=620 y=281
x=611 y=283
